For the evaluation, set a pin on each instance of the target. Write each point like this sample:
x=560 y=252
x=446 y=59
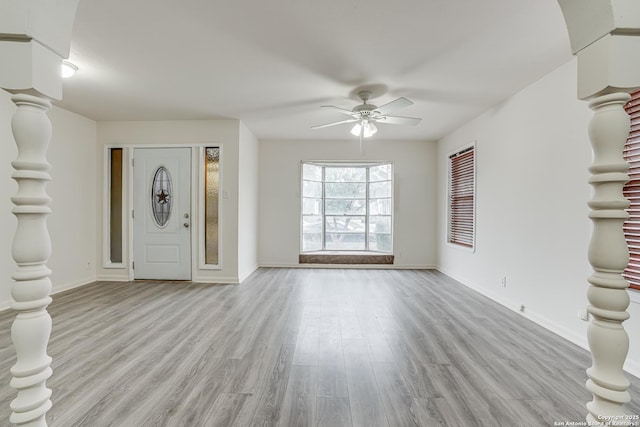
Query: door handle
x=186 y=225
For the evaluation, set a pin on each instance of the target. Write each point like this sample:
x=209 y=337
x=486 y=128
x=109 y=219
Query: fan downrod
x=364 y=109
x=364 y=95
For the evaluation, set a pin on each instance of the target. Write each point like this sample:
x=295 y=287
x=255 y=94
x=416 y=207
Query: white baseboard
x=6 y=305
x=415 y=267
x=355 y=266
x=112 y=278
x=75 y=284
x=577 y=339
x=250 y=271
x=219 y=279
x=631 y=366
x=277 y=265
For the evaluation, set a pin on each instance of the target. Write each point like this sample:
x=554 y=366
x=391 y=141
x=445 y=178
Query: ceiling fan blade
x=334 y=123
x=340 y=110
x=398 y=120
x=396 y=104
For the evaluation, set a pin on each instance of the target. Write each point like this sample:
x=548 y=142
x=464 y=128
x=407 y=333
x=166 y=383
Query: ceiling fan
x=365 y=116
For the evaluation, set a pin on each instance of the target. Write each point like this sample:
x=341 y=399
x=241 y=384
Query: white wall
x=415 y=196
x=531 y=226
x=184 y=132
x=72 y=189
x=247 y=203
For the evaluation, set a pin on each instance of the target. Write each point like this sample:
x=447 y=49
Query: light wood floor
x=303 y=347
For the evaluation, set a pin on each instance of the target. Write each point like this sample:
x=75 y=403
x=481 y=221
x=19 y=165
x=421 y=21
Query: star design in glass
x=163 y=197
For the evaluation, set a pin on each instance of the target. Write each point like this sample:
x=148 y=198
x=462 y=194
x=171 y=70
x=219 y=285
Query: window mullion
x=324 y=220
x=366 y=211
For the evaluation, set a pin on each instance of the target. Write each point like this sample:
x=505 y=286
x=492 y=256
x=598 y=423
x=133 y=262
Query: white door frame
x=194 y=188
x=198 y=264
x=168 y=246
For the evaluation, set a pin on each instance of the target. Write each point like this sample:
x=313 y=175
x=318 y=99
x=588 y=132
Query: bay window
x=347 y=207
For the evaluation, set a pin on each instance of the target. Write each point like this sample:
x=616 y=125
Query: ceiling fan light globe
x=370 y=129
x=357 y=128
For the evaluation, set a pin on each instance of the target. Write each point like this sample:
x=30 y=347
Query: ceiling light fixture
x=365 y=116
x=357 y=128
x=364 y=127
x=369 y=129
x=68 y=69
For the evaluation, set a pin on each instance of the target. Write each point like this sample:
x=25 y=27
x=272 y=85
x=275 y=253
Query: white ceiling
x=272 y=64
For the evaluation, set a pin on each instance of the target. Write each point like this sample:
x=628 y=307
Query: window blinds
x=462 y=197
x=632 y=192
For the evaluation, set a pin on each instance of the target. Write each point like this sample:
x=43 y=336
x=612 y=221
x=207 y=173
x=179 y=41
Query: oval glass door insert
x=161 y=196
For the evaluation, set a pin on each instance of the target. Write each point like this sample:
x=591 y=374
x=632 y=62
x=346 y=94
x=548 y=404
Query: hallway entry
x=162 y=213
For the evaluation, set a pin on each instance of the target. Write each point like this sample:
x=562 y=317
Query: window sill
x=345 y=258
x=462 y=248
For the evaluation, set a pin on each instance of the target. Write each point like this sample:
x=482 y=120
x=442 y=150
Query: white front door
x=162 y=213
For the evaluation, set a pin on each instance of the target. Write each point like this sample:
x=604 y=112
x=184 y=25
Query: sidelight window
x=211 y=194
x=114 y=213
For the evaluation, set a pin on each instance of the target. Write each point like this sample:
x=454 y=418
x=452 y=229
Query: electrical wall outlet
x=503 y=281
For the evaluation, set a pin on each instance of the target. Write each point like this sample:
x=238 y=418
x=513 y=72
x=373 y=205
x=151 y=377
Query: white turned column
x=31 y=249
x=35 y=36
x=605 y=38
x=608 y=255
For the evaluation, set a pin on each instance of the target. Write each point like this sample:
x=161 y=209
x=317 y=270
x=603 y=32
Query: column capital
x=35 y=35
x=605 y=36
